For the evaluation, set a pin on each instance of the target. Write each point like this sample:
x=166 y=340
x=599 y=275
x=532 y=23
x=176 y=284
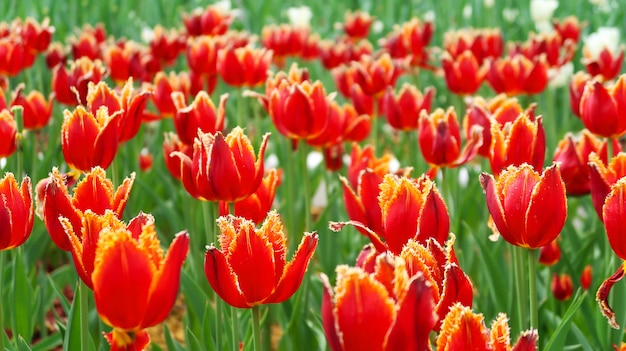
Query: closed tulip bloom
x=464 y=330
x=135 y=283
x=361 y=201
x=550 y=254
x=95 y=192
x=250 y=267
x=256 y=206
x=464 y=74
x=13 y=54
x=222 y=168
x=357 y=24
x=602 y=176
x=602 y=110
x=375 y=75
x=162 y=89
x=363 y=158
x=522 y=141
x=528 y=209
x=171 y=146
x=8 y=133
x=89 y=140
x=200 y=115
x=576 y=89
x=439 y=136
x=130 y=103
x=606 y=65
x=243 y=66
x=88 y=44
x=403 y=109
x=284 y=41
x=70 y=86
x=383 y=310
x=586 y=277
x=37 y=109
x=518 y=75
x=569 y=28
x=562 y=286
x=209 y=21
x=17 y=213
x=613 y=213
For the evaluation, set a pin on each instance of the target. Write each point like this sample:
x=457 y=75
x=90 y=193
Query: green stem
x=520 y=286
x=291 y=189
x=240 y=109
x=2 y=334
x=208 y=218
x=532 y=287
x=19 y=147
x=374 y=133
x=84 y=315
x=256 y=327
x=307 y=187
x=114 y=166
x=234 y=319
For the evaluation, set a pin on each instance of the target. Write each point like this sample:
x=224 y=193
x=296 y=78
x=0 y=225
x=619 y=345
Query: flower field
x=287 y=175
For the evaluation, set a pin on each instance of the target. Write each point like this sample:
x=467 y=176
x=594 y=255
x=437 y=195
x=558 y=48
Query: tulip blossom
x=17 y=211
x=145 y=160
x=357 y=24
x=375 y=75
x=602 y=55
x=562 y=286
x=171 y=146
x=284 y=41
x=162 y=89
x=483 y=44
x=209 y=21
x=256 y=206
x=201 y=115
x=439 y=137
x=464 y=330
x=363 y=158
x=166 y=45
x=88 y=44
x=37 y=109
x=12 y=55
x=403 y=109
x=576 y=89
x=586 y=277
x=126 y=60
x=243 y=66
x=135 y=283
x=602 y=176
x=569 y=28
x=518 y=75
x=572 y=153
x=464 y=74
x=528 y=209
x=386 y=309
x=8 y=133
x=602 y=110
x=410 y=39
x=222 y=169
x=250 y=267
x=70 y=86
x=522 y=141
x=94 y=192
x=550 y=254
x=89 y=140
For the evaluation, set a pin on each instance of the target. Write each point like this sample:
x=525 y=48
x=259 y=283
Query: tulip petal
x=462 y=330
x=57 y=204
x=222 y=279
x=547 y=211
x=527 y=341
x=495 y=207
x=457 y=288
x=328 y=317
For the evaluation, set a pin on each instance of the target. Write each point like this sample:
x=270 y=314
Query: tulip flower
x=341 y=51
x=550 y=254
x=211 y=21
x=37 y=109
x=162 y=89
x=135 y=284
x=383 y=310
x=145 y=160
x=464 y=74
x=17 y=211
x=256 y=206
x=586 y=277
x=569 y=28
x=602 y=55
x=70 y=86
x=172 y=145
x=518 y=75
x=56 y=54
x=528 y=209
x=201 y=115
x=166 y=45
x=562 y=286
x=439 y=137
x=126 y=60
x=250 y=267
x=12 y=55
x=522 y=141
x=130 y=103
x=8 y=133
x=576 y=89
x=482 y=43
x=411 y=38
x=602 y=110
x=464 y=330
x=572 y=153
x=403 y=109
x=363 y=158
x=88 y=44
x=89 y=140
x=94 y=192
x=375 y=75
x=284 y=40
x=603 y=176
x=222 y=169
x=243 y=66
x=357 y=24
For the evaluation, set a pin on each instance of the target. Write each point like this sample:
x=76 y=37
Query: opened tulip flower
x=17 y=214
x=243 y=66
x=603 y=110
x=200 y=115
x=562 y=286
x=250 y=268
x=465 y=330
x=528 y=209
x=135 y=284
x=403 y=109
x=222 y=169
x=386 y=309
x=464 y=74
x=94 y=192
x=70 y=86
x=602 y=176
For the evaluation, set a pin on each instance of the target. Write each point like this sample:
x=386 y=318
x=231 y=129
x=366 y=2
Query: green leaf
x=24 y=301
x=73 y=332
x=172 y=345
x=193 y=344
x=48 y=343
x=207 y=326
x=557 y=339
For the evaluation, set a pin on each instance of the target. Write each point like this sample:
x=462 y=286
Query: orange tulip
x=403 y=109
x=482 y=43
x=243 y=66
x=250 y=267
x=412 y=38
x=17 y=211
x=602 y=110
x=89 y=140
x=201 y=115
x=222 y=169
x=363 y=158
x=562 y=286
x=70 y=86
x=464 y=330
x=256 y=206
x=613 y=213
x=603 y=176
x=94 y=192
x=125 y=60
x=386 y=309
x=528 y=209
x=135 y=284
x=8 y=133
x=522 y=141
x=130 y=103
x=464 y=74
x=357 y=24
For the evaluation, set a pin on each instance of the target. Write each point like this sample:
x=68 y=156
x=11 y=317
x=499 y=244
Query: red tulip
x=70 y=86
x=602 y=176
x=562 y=286
x=357 y=24
x=464 y=74
x=403 y=109
x=256 y=206
x=17 y=211
x=8 y=133
x=201 y=115
x=243 y=66
x=602 y=110
x=518 y=75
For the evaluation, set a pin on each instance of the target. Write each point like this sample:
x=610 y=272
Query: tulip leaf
x=557 y=339
x=72 y=339
x=207 y=326
x=193 y=344
x=24 y=301
x=22 y=345
x=172 y=345
x=48 y=343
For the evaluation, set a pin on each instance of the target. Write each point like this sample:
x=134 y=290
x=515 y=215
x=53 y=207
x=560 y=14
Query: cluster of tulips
x=407 y=289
